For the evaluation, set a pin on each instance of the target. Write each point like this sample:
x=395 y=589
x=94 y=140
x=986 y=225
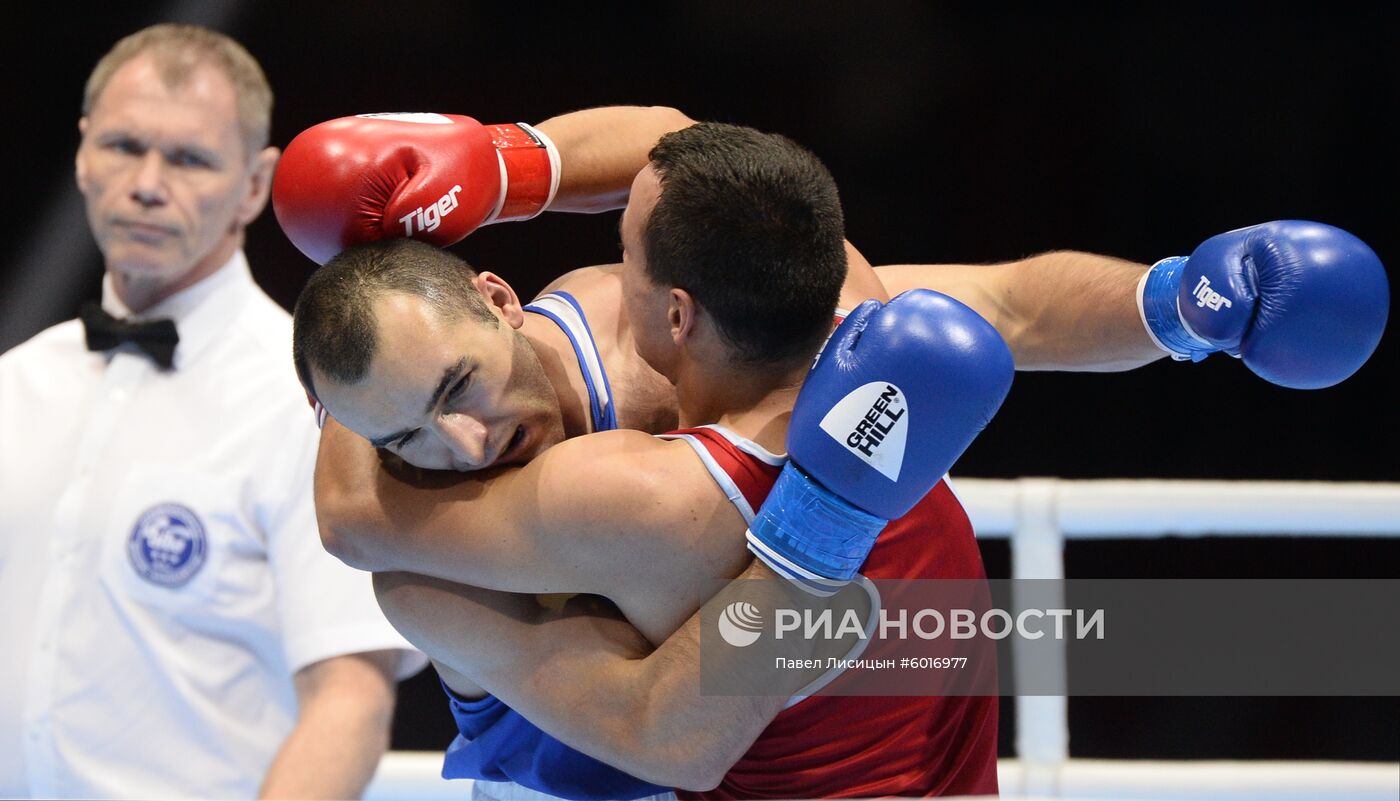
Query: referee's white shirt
x=161 y=578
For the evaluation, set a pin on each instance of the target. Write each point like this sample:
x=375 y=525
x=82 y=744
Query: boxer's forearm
x=641 y=714
x=591 y=680
x=581 y=677
x=1063 y=310
x=582 y=680
x=602 y=149
x=531 y=529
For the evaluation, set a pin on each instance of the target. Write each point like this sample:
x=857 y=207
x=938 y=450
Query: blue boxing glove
x=1302 y=303
x=893 y=400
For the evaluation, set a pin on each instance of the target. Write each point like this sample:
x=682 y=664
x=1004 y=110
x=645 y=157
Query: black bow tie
x=104 y=332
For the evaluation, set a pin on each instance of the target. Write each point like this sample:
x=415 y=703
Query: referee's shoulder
x=55 y=341
x=266 y=324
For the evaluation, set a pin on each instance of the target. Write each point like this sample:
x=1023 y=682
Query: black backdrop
x=958 y=132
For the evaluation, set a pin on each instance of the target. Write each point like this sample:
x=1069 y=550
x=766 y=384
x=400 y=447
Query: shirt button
x=118 y=395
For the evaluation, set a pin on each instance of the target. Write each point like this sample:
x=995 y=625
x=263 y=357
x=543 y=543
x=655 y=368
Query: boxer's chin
x=533 y=441
x=539 y=437
x=518 y=448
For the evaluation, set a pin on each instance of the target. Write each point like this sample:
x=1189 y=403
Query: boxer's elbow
x=692 y=759
x=694 y=771
x=699 y=777
x=346 y=532
x=344 y=544
x=671 y=763
x=641 y=733
x=668 y=119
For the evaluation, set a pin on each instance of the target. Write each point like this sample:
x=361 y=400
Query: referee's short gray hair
x=178 y=50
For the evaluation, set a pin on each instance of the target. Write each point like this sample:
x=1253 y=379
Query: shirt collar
x=200 y=311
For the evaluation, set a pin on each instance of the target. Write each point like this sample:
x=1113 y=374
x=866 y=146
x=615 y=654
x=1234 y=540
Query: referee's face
x=166 y=176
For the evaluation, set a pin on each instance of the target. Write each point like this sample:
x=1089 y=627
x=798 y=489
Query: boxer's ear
x=681 y=312
x=501 y=296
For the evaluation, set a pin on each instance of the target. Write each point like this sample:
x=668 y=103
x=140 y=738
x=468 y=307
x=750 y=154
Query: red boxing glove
x=434 y=177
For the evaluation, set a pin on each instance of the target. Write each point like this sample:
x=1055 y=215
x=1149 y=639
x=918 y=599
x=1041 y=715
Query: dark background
x=958 y=133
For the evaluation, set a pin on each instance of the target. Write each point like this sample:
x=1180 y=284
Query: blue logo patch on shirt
x=168 y=545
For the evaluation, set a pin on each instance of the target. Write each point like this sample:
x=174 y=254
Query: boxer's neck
x=561 y=367
x=754 y=403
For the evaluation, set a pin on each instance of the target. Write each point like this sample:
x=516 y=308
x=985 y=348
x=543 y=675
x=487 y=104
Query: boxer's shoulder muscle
x=987 y=289
x=598 y=291
x=584 y=282
x=645 y=400
x=638 y=515
x=976 y=285
x=862 y=283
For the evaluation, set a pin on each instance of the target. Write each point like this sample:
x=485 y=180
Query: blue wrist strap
x=1157 y=300
x=811 y=536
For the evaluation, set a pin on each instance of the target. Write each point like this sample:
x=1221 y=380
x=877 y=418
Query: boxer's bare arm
x=1062 y=310
x=862 y=282
x=602 y=149
x=619 y=514
x=587 y=677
